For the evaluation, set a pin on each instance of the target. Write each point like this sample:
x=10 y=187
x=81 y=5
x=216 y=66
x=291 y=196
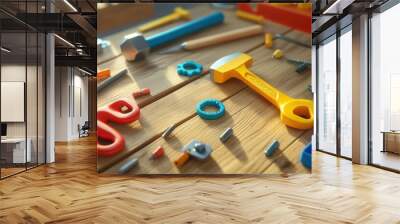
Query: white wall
x=61 y=103
x=15 y=73
x=33 y=126
x=81 y=100
x=71 y=93
x=13 y=101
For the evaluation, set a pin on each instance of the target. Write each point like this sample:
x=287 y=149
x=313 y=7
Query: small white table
x=18 y=149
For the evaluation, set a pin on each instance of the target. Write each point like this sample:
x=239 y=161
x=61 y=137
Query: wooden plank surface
x=158 y=71
x=154 y=116
x=179 y=95
x=255 y=124
x=292 y=83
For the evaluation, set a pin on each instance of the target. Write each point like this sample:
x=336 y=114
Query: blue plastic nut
x=302 y=67
x=189 y=68
x=305 y=157
x=200 y=148
x=210 y=103
x=197 y=149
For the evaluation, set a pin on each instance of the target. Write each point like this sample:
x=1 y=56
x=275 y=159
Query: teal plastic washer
x=201 y=106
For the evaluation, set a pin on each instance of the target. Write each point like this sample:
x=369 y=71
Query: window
x=331 y=133
x=346 y=92
x=385 y=89
x=22 y=107
x=327 y=95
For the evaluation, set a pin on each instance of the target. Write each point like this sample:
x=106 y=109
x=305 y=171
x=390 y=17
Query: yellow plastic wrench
x=295 y=113
x=177 y=14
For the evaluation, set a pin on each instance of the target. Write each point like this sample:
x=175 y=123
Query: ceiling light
x=338 y=6
x=84 y=71
x=5 y=50
x=65 y=41
x=70 y=5
x=79 y=51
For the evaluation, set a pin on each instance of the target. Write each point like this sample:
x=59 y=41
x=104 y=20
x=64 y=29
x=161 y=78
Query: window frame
x=30 y=30
x=381 y=9
x=339 y=32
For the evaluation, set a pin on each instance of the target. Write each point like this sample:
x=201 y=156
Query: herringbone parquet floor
x=70 y=191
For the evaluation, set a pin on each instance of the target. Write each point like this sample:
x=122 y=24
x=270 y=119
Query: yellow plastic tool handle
x=176 y=15
x=223 y=37
x=250 y=17
x=296 y=113
x=263 y=88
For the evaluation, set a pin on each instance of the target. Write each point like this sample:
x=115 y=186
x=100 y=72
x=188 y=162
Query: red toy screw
x=142 y=92
x=157 y=153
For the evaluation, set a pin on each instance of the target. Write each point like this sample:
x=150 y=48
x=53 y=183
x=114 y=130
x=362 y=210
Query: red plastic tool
x=286 y=14
x=157 y=153
x=114 y=113
x=142 y=92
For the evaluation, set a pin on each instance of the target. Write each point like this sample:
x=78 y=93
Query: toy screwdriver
x=216 y=39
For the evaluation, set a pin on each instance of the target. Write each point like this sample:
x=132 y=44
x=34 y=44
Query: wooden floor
x=11 y=170
x=386 y=159
x=71 y=191
x=254 y=120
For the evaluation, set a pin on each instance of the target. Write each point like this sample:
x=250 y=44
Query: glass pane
x=346 y=94
x=31 y=98
x=41 y=99
x=327 y=96
x=385 y=89
x=13 y=86
x=22 y=84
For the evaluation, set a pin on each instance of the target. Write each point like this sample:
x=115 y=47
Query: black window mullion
x=0 y=99
x=369 y=78
x=73 y=92
x=45 y=94
x=26 y=87
x=338 y=74
x=69 y=92
x=37 y=90
x=45 y=89
x=316 y=96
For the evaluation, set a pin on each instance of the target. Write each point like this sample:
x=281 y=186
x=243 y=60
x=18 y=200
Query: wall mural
x=204 y=89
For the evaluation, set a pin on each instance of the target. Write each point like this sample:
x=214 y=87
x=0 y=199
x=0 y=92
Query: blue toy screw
x=185 y=29
x=271 y=148
x=136 y=46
